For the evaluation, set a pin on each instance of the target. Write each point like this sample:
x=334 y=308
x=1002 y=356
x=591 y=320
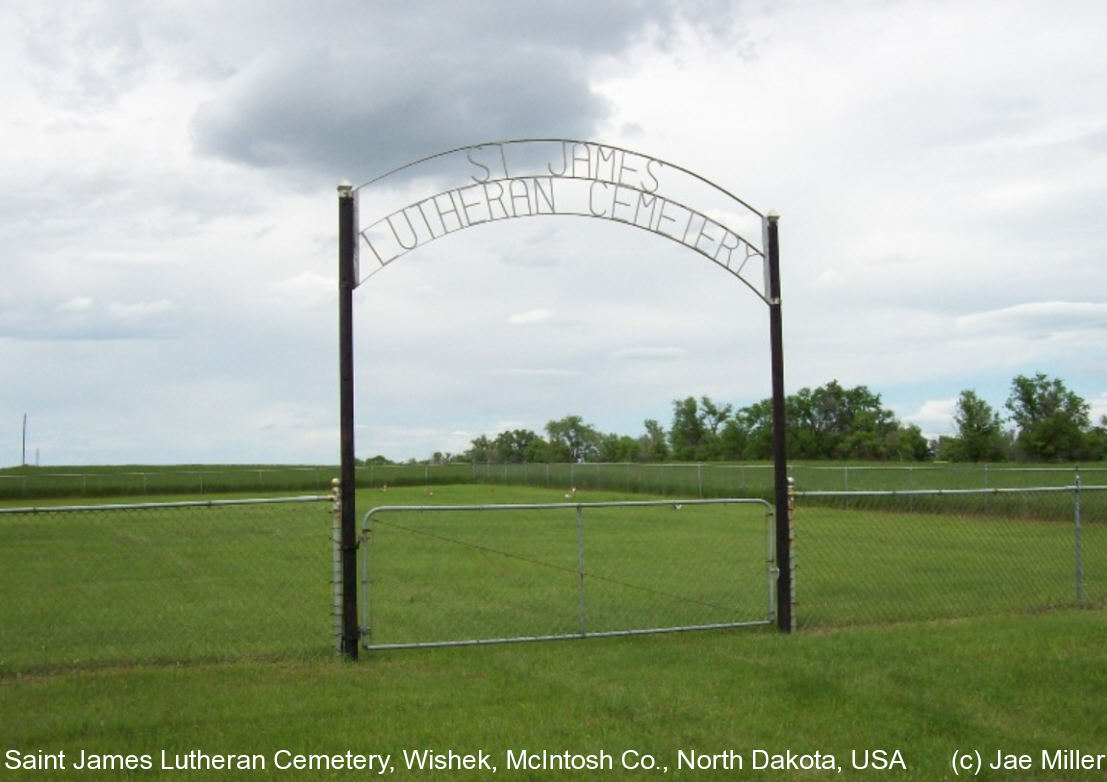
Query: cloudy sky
x=168 y=215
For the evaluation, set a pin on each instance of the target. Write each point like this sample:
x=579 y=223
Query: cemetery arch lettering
x=435 y=196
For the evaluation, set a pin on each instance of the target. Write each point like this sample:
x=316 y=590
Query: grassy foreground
x=1018 y=684
x=134 y=664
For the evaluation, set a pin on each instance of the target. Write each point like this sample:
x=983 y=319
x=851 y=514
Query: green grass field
x=863 y=565
x=536 y=572
x=134 y=634
x=163 y=584
x=1021 y=684
x=709 y=479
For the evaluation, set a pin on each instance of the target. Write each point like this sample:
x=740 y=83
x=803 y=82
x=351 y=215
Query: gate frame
x=348 y=280
x=580 y=507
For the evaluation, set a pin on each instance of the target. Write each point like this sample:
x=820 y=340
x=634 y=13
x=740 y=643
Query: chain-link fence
x=705 y=479
x=885 y=556
x=106 y=584
x=32 y=483
x=101 y=584
x=442 y=575
x=713 y=479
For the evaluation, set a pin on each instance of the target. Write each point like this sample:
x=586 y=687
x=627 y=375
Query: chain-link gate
x=476 y=574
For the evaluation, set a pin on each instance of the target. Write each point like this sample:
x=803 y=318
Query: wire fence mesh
x=713 y=479
x=100 y=584
x=441 y=575
x=870 y=557
x=706 y=479
x=107 y=584
x=32 y=483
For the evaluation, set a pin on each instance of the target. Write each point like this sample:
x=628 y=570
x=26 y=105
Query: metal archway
x=539 y=177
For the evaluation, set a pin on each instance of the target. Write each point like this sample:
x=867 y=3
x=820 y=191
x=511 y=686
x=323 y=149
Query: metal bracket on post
x=336 y=569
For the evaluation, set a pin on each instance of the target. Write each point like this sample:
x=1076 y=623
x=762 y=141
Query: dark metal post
x=784 y=619
x=347 y=281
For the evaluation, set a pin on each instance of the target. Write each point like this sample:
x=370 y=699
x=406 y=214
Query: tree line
x=1044 y=421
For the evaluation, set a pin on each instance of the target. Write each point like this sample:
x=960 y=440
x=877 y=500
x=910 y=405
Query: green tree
x=833 y=422
x=572 y=440
x=686 y=434
x=829 y=422
x=695 y=433
x=653 y=446
x=713 y=416
x=979 y=431
x=481 y=450
x=753 y=427
x=874 y=434
x=1097 y=440
x=1051 y=421
x=518 y=446
x=911 y=445
x=617 y=448
x=733 y=440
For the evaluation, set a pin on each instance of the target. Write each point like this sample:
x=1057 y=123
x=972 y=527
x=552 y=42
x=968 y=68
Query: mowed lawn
x=1019 y=684
x=138 y=634
x=564 y=569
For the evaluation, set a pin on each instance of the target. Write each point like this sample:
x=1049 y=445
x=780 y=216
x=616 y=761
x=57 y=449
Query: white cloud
x=651 y=353
x=1098 y=407
x=1039 y=318
x=934 y=416
x=170 y=171
x=307 y=289
x=78 y=304
x=530 y=317
x=140 y=310
x=536 y=372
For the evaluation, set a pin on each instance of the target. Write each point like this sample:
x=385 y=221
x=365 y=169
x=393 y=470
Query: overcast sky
x=168 y=215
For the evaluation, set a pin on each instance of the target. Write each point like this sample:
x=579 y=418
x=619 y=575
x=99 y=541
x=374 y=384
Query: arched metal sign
x=471 y=186
x=485 y=183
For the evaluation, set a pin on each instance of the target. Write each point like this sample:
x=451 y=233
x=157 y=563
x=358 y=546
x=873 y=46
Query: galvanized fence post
x=1078 y=536
x=791 y=548
x=582 y=626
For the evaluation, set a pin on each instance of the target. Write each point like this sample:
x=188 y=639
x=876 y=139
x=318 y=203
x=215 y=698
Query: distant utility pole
x=23 y=460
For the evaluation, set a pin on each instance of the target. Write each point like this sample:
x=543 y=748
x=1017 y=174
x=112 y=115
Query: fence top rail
x=941 y=492
x=569 y=505
x=157 y=505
